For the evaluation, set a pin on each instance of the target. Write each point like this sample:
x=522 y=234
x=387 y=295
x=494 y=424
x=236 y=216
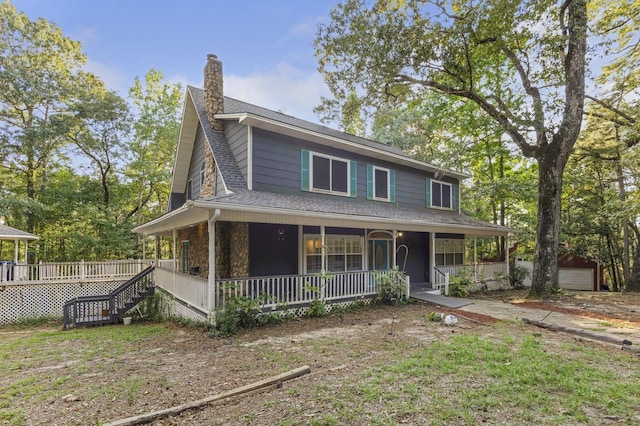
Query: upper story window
x=328 y=174
x=189 y=191
x=381 y=184
x=440 y=194
x=203 y=168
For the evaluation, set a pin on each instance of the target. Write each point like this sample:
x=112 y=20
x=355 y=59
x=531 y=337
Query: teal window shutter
x=428 y=193
x=305 y=180
x=392 y=186
x=454 y=197
x=353 y=170
x=369 y=182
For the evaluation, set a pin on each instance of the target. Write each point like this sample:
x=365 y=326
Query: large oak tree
x=383 y=49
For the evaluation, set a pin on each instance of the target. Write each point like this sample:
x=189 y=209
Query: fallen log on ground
x=154 y=415
x=624 y=344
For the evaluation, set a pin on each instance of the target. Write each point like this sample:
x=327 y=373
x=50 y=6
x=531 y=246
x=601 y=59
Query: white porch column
x=394 y=262
x=211 y=279
x=175 y=250
x=432 y=256
x=323 y=250
x=475 y=259
x=16 y=249
x=155 y=248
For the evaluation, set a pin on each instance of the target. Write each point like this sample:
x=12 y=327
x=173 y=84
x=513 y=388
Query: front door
x=379 y=255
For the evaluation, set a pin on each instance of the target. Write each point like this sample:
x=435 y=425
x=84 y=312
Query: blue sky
x=265 y=45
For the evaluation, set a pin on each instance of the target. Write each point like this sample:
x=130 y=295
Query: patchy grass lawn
x=379 y=365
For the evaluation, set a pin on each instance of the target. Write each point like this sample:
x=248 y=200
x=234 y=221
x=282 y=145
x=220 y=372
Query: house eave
x=244 y=213
x=323 y=139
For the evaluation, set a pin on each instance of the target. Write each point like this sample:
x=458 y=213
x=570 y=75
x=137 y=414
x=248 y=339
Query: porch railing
x=441 y=280
x=188 y=288
x=481 y=271
x=292 y=290
x=71 y=271
x=270 y=292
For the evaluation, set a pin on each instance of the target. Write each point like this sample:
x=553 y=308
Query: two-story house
x=263 y=203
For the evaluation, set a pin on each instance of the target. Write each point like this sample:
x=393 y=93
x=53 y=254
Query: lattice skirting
x=175 y=308
x=20 y=302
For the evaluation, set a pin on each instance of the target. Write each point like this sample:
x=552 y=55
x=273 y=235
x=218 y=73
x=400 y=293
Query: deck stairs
x=107 y=309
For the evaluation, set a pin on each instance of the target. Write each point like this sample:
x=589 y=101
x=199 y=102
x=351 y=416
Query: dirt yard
x=79 y=384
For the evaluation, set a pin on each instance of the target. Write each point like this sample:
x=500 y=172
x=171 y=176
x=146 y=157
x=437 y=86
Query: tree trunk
x=544 y=279
x=633 y=284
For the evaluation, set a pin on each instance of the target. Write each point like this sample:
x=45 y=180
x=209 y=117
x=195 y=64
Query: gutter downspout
x=211 y=279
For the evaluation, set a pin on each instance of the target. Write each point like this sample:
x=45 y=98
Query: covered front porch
x=287 y=261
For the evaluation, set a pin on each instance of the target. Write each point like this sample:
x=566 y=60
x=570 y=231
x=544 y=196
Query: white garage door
x=576 y=278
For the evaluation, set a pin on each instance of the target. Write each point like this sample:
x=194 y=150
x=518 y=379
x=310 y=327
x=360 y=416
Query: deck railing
x=71 y=271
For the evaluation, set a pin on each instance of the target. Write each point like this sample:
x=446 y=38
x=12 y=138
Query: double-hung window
x=440 y=194
x=449 y=252
x=343 y=253
x=381 y=184
x=189 y=190
x=328 y=174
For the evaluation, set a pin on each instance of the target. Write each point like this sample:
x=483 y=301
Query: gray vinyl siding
x=197 y=157
x=176 y=200
x=276 y=162
x=237 y=136
x=276 y=168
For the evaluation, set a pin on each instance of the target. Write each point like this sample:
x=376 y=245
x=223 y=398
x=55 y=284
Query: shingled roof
x=291 y=203
x=234 y=106
x=225 y=160
x=9 y=233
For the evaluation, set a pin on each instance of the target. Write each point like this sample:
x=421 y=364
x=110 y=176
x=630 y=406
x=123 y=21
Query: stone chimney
x=213 y=94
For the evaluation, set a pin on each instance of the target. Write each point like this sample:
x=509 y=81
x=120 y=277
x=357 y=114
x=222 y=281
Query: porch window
x=449 y=252
x=344 y=253
x=185 y=257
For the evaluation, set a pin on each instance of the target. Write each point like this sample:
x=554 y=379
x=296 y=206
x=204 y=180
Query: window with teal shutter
x=454 y=197
x=440 y=195
x=428 y=192
x=353 y=170
x=392 y=186
x=369 y=182
x=305 y=156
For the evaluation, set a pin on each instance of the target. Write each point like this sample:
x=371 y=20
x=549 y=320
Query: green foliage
x=517 y=275
x=317 y=308
x=238 y=313
x=391 y=286
x=460 y=286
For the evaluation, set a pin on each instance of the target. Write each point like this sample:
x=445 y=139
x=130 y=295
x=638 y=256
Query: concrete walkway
x=508 y=311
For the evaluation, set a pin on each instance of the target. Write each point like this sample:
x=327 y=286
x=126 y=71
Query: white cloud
x=285 y=88
x=113 y=78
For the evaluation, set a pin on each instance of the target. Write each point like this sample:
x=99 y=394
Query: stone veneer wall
x=198 y=238
x=239 y=246
x=213 y=93
x=232 y=249
x=209 y=186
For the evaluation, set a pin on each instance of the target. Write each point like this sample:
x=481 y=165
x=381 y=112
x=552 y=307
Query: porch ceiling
x=263 y=207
